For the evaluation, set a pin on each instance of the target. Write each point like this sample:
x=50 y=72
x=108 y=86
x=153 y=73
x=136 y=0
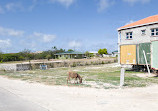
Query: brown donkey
x=75 y=76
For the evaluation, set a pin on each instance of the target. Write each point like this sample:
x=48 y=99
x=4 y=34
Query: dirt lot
x=64 y=98
x=100 y=90
x=97 y=76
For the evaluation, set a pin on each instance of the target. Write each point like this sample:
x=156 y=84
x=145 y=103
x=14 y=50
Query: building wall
x=114 y=54
x=71 y=56
x=107 y=55
x=154 y=56
x=137 y=35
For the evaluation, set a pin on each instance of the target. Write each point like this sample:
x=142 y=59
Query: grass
x=99 y=76
x=14 y=62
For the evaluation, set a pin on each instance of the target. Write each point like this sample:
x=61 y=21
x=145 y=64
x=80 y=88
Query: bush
x=74 y=64
x=27 y=55
x=48 y=57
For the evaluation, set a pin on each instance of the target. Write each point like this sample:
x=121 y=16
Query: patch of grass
x=100 y=76
x=89 y=79
x=44 y=77
x=25 y=79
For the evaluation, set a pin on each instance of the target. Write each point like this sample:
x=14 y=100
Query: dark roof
x=69 y=52
x=115 y=51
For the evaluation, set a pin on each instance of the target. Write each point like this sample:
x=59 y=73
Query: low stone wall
x=20 y=67
x=14 y=67
x=72 y=63
x=55 y=64
x=8 y=67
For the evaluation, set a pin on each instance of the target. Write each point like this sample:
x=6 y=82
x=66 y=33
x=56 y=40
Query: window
x=143 y=32
x=129 y=35
x=154 y=32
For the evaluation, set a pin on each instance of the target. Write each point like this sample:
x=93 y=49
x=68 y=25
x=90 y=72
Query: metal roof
x=115 y=51
x=69 y=52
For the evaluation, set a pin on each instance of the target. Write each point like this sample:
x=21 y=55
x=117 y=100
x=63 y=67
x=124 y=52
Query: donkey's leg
x=75 y=80
x=68 y=79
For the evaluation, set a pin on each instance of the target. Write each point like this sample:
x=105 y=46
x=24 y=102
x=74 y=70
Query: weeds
x=100 y=76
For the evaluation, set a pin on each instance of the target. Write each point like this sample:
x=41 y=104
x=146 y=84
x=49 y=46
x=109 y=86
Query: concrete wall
x=137 y=35
x=20 y=67
x=9 y=67
x=15 y=67
x=114 y=55
x=107 y=55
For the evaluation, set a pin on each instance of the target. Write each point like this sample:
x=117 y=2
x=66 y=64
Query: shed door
x=146 y=48
x=154 y=55
x=128 y=54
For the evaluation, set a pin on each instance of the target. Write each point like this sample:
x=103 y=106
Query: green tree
x=87 y=53
x=21 y=58
x=1 y=58
x=70 y=50
x=102 y=51
x=26 y=53
x=54 y=48
x=48 y=57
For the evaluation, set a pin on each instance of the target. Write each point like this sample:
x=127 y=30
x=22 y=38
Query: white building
x=95 y=53
x=142 y=31
x=114 y=53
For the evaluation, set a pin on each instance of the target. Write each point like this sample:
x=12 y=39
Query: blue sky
x=83 y=25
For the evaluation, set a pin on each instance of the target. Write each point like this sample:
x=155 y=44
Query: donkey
x=75 y=76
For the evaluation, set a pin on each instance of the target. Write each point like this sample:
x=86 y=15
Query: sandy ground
x=63 y=98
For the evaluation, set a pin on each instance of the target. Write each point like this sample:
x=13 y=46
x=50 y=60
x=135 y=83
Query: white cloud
x=20 y=6
x=66 y=3
x=32 y=44
x=131 y=21
x=45 y=37
x=33 y=5
x=48 y=38
x=5 y=43
x=29 y=45
x=13 y=6
x=74 y=44
x=10 y=32
x=1 y=10
x=132 y=2
x=104 y=4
